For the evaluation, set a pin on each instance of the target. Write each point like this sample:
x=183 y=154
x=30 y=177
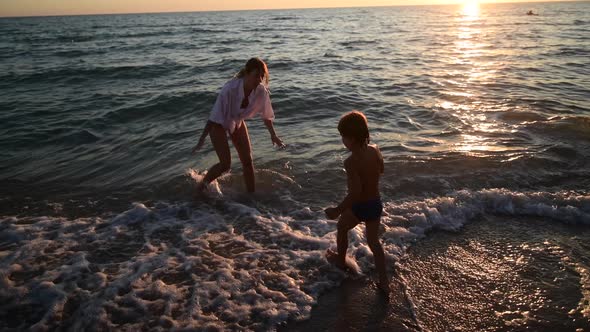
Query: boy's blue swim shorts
x=368 y=210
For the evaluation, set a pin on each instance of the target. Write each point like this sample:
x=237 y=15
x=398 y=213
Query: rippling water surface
x=482 y=114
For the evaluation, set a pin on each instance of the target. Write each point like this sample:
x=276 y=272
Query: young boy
x=363 y=203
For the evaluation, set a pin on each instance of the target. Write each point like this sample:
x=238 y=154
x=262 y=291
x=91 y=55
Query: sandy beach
x=472 y=280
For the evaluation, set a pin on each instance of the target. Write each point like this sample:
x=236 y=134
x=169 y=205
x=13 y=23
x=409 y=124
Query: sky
x=78 y=7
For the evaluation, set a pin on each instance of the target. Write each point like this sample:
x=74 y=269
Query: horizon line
x=275 y=9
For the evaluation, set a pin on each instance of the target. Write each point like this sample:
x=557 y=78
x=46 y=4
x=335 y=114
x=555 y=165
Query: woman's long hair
x=255 y=64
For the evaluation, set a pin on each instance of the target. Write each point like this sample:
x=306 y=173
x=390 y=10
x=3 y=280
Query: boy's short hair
x=354 y=125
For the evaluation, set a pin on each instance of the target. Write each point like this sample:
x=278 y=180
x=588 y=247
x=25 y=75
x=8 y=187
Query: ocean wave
x=258 y=29
x=222 y=50
x=201 y=30
x=233 y=41
x=417 y=173
x=575 y=127
x=70 y=38
x=521 y=117
x=548 y=106
x=143 y=71
x=452 y=212
x=74 y=137
x=570 y=51
x=229 y=64
x=232 y=272
x=221 y=265
x=359 y=42
x=77 y=53
x=54 y=135
x=106 y=36
x=331 y=54
x=162 y=106
x=283 y=18
x=282 y=64
x=87 y=73
x=137 y=34
x=575 y=64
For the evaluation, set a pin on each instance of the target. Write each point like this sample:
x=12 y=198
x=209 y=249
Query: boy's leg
x=219 y=139
x=241 y=141
x=375 y=246
x=346 y=222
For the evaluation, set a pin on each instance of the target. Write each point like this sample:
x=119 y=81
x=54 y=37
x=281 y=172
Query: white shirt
x=227 y=110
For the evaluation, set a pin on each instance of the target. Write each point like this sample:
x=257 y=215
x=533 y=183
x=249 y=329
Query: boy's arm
x=273 y=136
x=203 y=136
x=354 y=187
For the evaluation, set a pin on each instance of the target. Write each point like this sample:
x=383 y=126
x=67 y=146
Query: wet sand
x=357 y=305
x=495 y=274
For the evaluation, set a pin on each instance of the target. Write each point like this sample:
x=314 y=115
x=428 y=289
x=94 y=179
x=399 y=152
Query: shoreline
x=495 y=273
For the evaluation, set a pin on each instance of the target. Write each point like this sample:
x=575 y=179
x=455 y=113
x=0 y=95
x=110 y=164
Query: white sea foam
x=223 y=265
x=212 y=188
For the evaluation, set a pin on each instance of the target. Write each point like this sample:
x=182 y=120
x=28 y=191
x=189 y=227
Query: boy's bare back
x=367 y=164
x=363 y=202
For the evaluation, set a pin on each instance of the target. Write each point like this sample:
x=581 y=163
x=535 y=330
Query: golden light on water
x=471 y=67
x=470 y=52
x=471 y=8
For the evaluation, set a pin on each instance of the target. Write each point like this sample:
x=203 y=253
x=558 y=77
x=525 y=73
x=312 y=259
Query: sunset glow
x=471 y=8
x=70 y=7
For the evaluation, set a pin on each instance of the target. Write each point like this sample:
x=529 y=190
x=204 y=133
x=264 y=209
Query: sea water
x=483 y=118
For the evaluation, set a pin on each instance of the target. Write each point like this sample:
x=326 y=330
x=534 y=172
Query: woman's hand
x=203 y=137
x=199 y=145
x=332 y=213
x=276 y=140
x=273 y=136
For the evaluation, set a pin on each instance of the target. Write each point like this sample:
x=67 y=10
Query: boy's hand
x=332 y=213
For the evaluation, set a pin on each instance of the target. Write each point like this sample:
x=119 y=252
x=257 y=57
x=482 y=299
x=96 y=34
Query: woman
x=241 y=98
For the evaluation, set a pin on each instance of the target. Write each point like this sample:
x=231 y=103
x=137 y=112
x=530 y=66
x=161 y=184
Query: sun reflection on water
x=464 y=98
x=471 y=8
x=469 y=66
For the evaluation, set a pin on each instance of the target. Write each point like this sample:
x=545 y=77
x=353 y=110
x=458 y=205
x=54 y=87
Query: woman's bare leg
x=219 y=139
x=241 y=141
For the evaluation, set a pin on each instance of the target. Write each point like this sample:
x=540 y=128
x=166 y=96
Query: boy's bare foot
x=333 y=258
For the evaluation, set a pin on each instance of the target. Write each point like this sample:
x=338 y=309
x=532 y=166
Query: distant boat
x=530 y=13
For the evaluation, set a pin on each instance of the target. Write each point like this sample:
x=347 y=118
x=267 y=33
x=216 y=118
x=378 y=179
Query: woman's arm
x=273 y=136
x=202 y=138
